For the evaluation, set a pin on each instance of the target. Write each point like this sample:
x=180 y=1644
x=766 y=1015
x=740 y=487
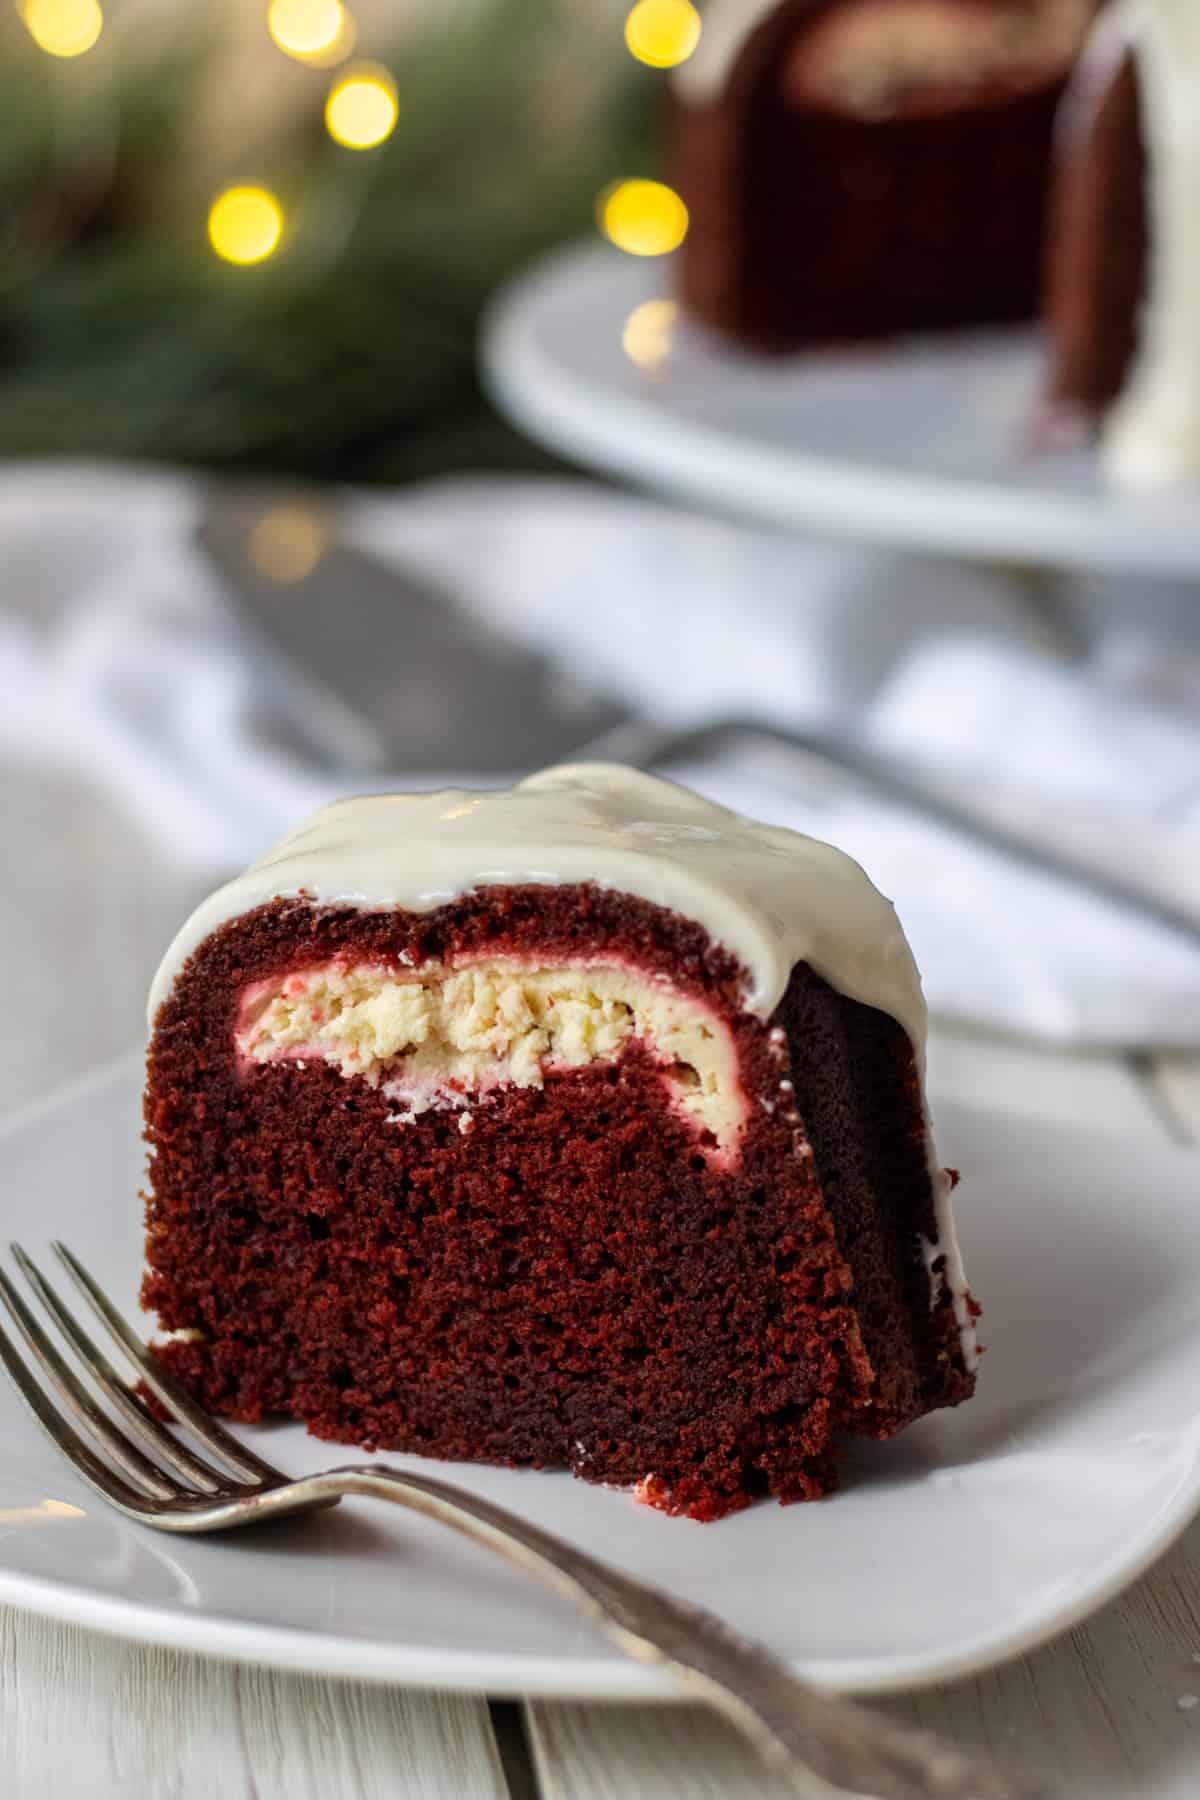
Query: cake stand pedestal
x=922 y=445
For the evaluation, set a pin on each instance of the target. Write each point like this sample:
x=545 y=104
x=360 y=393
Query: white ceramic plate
x=921 y=444
x=972 y=1537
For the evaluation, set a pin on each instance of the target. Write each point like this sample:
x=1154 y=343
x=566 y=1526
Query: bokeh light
x=663 y=33
x=63 y=27
x=362 y=108
x=336 y=50
x=288 y=542
x=319 y=32
x=646 y=218
x=649 y=334
x=245 y=224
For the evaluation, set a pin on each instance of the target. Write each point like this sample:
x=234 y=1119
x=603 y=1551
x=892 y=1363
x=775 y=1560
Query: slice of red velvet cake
x=580 y=1124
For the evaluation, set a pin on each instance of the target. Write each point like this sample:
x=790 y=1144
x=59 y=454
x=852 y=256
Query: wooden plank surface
x=87 y=1718
x=651 y=1752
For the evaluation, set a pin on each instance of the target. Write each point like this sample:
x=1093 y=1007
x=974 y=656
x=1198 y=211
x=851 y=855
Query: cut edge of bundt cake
x=455 y=1152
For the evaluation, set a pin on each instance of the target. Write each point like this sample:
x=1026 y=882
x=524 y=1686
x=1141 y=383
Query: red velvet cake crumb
x=575 y=1281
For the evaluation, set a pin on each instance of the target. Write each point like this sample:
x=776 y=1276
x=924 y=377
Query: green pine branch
x=352 y=353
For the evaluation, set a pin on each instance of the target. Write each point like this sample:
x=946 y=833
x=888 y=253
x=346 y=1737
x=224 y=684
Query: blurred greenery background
x=350 y=351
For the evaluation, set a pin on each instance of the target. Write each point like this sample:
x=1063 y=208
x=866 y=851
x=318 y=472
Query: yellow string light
x=63 y=27
x=362 y=107
x=320 y=32
x=245 y=224
x=334 y=52
x=646 y=218
x=662 y=33
x=649 y=333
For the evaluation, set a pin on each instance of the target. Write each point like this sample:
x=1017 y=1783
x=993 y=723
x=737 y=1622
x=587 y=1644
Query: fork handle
x=797 y=1729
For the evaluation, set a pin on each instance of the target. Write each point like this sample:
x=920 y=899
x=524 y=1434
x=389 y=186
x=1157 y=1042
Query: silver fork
x=152 y=1476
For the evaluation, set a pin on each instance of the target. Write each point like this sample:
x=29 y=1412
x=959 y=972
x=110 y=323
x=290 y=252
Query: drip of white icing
x=726 y=26
x=954 y=1273
x=1152 y=436
x=772 y=897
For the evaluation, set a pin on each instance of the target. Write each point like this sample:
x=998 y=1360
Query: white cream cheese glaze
x=770 y=896
x=1152 y=436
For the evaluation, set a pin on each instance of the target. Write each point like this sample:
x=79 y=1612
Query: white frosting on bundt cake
x=771 y=896
x=1152 y=436
x=928 y=40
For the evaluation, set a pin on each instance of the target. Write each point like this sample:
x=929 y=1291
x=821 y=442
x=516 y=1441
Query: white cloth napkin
x=119 y=659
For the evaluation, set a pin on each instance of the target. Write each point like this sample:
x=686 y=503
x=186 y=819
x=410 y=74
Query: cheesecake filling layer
x=438 y=1035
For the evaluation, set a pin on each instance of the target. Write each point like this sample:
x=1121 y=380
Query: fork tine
x=175 y=1398
x=209 y=1481
x=97 y=1474
x=125 y=1454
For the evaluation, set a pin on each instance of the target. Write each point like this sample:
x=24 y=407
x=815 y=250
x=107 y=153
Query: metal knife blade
x=1148 y=866
x=375 y=667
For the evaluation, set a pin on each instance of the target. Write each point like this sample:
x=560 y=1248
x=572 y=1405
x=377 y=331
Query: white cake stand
x=923 y=445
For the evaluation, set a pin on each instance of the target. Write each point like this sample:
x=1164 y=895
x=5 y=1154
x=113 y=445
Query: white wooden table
x=1108 y=1713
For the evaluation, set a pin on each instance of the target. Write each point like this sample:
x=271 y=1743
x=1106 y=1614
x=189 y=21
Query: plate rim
x=321 y=1653
x=964 y=517
x=491 y=1672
